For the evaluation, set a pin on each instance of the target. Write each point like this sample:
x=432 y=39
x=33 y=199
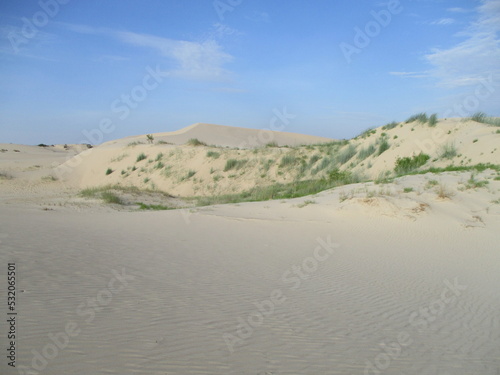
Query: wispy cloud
x=12 y=42
x=410 y=74
x=443 y=22
x=459 y=10
x=474 y=58
x=198 y=60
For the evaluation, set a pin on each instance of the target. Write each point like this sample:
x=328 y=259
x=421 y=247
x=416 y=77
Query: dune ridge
x=396 y=274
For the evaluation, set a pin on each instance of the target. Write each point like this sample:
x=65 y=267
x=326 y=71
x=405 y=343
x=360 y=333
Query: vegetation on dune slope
x=231 y=175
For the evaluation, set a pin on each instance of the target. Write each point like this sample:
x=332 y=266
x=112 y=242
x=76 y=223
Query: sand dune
x=388 y=277
x=230 y=136
x=185 y=170
x=190 y=279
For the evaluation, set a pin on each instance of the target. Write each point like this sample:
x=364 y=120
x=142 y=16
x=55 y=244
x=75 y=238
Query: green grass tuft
x=433 y=120
x=420 y=117
x=346 y=155
x=383 y=146
x=234 y=164
x=366 y=152
x=213 y=154
x=141 y=156
x=408 y=164
x=288 y=161
x=448 y=151
x=153 y=207
x=272 y=144
x=110 y=197
x=195 y=142
x=390 y=125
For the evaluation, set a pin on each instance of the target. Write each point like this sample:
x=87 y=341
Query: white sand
x=381 y=294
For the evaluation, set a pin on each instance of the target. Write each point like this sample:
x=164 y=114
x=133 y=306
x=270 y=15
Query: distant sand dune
x=229 y=136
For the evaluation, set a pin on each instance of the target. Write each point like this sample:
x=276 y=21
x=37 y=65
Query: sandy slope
x=385 y=274
x=397 y=278
x=228 y=136
x=184 y=170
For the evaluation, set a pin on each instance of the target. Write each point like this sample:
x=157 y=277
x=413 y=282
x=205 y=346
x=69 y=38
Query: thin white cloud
x=410 y=74
x=443 y=22
x=459 y=10
x=203 y=60
x=194 y=60
x=475 y=58
x=14 y=43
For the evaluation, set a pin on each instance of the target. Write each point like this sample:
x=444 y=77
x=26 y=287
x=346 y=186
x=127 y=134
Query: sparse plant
x=472 y=183
x=190 y=173
x=141 y=156
x=288 y=161
x=109 y=171
x=196 y=142
x=431 y=183
x=272 y=144
x=420 y=117
x=119 y=158
x=448 y=151
x=390 y=125
x=110 y=197
x=305 y=203
x=383 y=146
x=478 y=117
x=343 y=196
x=234 y=164
x=213 y=154
x=346 y=155
x=407 y=189
x=49 y=178
x=338 y=177
x=367 y=133
x=408 y=164
x=433 y=120
x=314 y=159
x=443 y=192
x=150 y=138
x=135 y=143
x=153 y=207
x=366 y=152
x=159 y=156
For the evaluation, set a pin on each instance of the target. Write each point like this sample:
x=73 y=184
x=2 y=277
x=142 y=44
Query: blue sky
x=335 y=67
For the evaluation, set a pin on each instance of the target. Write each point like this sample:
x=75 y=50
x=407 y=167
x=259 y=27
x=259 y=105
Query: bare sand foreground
x=399 y=278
